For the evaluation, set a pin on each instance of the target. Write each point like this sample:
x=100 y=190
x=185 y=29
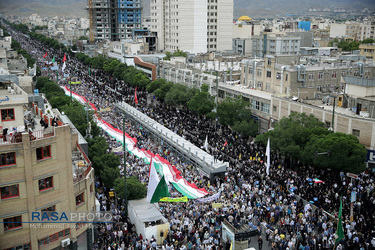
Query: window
x=10 y=192
x=43 y=153
x=26 y=246
x=320 y=75
x=91 y=188
x=49 y=209
x=356 y=132
x=274 y=108
x=46 y=183
x=7 y=115
x=265 y=107
x=54 y=237
x=12 y=223
x=286 y=78
x=79 y=199
x=8 y=159
x=334 y=74
x=268 y=74
x=311 y=76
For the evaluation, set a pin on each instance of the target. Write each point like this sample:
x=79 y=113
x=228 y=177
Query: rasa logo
x=73 y=217
x=49 y=216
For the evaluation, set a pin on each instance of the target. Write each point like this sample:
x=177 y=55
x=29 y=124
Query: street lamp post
x=124 y=156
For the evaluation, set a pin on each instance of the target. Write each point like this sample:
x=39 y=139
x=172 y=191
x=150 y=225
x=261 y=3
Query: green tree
x=154 y=85
x=77 y=114
x=83 y=38
x=179 y=95
x=135 y=189
x=110 y=65
x=202 y=103
x=41 y=82
x=292 y=133
x=98 y=62
x=59 y=101
x=109 y=175
x=118 y=71
x=247 y=128
x=368 y=40
x=177 y=53
x=161 y=92
x=233 y=110
x=345 y=152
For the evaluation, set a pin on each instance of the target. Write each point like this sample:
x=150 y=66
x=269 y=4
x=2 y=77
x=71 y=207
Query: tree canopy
x=135 y=189
x=304 y=138
x=202 y=103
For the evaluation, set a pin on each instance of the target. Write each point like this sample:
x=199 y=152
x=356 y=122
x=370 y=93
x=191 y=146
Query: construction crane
x=91 y=16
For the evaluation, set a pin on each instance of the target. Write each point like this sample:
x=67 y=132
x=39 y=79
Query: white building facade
x=194 y=26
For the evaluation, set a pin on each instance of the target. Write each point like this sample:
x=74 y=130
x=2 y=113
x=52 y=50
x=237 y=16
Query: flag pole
x=70 y=86
x=124 y=151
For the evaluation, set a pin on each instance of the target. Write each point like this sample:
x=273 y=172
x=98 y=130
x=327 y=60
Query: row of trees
x=232 y=112
x=105 y=164
x=303 y=138
x=349 y=45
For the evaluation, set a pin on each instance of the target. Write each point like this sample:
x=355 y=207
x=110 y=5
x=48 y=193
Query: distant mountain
x=272 y=8
x=252 y=8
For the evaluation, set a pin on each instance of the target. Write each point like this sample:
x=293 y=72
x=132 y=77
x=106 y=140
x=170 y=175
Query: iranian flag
x=316 y=180
x=157 y=189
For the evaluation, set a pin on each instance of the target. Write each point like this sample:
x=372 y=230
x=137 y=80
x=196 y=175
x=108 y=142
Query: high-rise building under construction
x=114 y=19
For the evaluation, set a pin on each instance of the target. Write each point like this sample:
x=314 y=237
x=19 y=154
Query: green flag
x=57 y=76
x=340 y=230
x=89 y=71
x=161 y=191
x=53 y=59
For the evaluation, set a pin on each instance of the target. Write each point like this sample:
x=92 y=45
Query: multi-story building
x=195 y=26
x=303 y=77
x=113 y=19
x=348 y=30
x=367 y=50
x=275 y=44
x=42 y=169
x=367 y=29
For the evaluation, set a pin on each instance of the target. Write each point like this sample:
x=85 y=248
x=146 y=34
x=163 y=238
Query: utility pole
x=217 y=96
x=333 y=113
x=124 y=151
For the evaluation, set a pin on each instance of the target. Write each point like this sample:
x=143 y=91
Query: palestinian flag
x=316 y=180
x=157 y=189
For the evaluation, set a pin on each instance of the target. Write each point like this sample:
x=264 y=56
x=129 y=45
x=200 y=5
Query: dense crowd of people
x=290 y=209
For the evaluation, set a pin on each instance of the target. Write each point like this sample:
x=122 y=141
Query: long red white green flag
x=163 y=167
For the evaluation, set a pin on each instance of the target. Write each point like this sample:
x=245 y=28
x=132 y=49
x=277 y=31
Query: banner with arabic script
x=210 y=198
x=178 y=199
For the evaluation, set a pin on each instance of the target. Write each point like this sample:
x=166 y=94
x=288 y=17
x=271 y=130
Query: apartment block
x=303 y=77
x=275 y=44
x=194 y=26
x=114 y=19
x=367 y=50
x=43 y=169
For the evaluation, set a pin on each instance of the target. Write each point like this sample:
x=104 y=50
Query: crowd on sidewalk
x=249 y=197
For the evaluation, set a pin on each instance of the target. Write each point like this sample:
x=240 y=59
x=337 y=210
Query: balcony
x=81 y=165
